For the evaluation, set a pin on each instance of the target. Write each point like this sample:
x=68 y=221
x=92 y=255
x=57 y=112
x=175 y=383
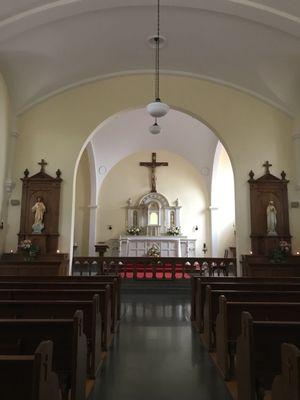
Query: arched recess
x=222 y=203
x=193 y=157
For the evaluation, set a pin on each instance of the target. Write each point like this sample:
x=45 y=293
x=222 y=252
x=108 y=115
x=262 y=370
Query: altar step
x=157 y=286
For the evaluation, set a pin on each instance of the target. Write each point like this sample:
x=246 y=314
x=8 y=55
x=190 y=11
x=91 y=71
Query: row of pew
x=252 y=325
x=54 y=334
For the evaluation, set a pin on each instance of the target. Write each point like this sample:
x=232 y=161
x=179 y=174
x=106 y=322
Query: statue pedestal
x=46 y=242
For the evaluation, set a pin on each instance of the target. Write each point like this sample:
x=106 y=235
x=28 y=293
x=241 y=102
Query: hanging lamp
x=157 y=109
x=155 y=128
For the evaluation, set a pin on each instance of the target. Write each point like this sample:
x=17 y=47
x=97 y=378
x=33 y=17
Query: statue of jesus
x=39 y=209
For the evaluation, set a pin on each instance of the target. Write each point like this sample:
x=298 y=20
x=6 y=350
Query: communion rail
x=154 y=268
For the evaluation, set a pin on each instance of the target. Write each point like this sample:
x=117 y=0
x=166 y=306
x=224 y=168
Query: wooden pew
x=228 y=325
x=227 y=283
x=60 y=309
x=29 y=377
x=69 y=350
x=69 y=285
x=115 y=278
x=258 y=354
x=60 y=294
x=286 y=386
x=211 y=307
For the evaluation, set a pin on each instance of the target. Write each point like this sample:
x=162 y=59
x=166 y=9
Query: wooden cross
x=42 y=163
x=153 y=164
x=267 y=165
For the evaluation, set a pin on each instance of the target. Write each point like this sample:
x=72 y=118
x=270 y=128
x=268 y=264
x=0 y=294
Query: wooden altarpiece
x=263 y=190
x=48 y=188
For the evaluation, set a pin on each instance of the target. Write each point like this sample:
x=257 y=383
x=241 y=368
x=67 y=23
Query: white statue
x=129 y=202
x=271 y=219
x=176 y=202
x=39 y=210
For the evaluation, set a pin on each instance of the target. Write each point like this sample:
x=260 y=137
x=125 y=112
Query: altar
x=168 y=246
x=153 y=225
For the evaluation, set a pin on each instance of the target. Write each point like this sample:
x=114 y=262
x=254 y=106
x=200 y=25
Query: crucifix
x=153 y=164
x=267 y=165
x=42 y=163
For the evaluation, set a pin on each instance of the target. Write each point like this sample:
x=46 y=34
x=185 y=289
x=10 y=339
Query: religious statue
x=129 y=202
x=271 y=219
x=39 y=210
x=176 y=202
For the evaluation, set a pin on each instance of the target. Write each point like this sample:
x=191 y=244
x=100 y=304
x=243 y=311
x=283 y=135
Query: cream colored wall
x=4 y=129
x=251 y=130
x=222 y=200
x=179 y=180
x=82 y=211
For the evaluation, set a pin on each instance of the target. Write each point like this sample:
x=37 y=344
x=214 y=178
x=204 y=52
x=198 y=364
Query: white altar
x=169 y=246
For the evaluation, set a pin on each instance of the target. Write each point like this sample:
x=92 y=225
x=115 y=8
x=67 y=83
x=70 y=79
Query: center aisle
x=157 y=355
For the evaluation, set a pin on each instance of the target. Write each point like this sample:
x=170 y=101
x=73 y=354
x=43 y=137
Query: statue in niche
x=135 y=219
x=39 y=210
x=271 y=219
x=172 y=218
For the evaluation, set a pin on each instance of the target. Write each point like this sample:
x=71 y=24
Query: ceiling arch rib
x=17 y=18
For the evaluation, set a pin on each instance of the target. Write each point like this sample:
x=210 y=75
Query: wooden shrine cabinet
x=48 y=189
x=263 y=190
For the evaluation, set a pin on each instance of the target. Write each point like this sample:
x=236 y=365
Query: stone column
x=296 y=148
x=9 y=184
x=92 y=230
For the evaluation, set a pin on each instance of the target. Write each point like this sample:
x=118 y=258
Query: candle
x=298 y=253
x=57 y=251
x=11 y=251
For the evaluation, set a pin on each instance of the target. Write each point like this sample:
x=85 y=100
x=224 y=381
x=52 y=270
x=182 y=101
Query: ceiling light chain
x=157 y=109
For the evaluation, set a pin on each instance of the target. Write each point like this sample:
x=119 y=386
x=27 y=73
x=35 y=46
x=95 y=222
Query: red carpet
x=138 y=271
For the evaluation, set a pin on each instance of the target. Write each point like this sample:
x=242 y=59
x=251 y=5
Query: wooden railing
x=154 y=268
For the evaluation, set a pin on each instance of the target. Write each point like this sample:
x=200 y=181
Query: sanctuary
x=154 y=225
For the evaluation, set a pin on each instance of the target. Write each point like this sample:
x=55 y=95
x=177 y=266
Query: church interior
x=149 y=199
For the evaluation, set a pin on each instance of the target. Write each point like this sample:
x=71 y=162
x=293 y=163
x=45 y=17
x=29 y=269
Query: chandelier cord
x=157 y=39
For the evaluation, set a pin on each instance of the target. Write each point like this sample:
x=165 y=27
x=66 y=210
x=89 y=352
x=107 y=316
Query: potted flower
x=154 y=251
x=280 y=253
x=31 y=250
x=134 y=230
x=173 y=231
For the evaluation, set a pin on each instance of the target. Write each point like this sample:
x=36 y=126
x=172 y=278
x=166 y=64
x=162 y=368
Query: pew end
x=287 y=384
x=222 y=339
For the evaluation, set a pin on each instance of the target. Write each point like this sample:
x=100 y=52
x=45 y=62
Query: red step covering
x=139 y=271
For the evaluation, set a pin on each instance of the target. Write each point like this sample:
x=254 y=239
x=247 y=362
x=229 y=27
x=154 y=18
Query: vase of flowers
x=173 y=231
x=280 y=254
x=134 y=230
x=154 y=251
x=31 y=250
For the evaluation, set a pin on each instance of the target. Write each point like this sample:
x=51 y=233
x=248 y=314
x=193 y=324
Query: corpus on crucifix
x=153 y=164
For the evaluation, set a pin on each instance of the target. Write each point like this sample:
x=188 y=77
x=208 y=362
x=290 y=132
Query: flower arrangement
x=154 y=251
x=280 y=253
x=133 y=230
x=173 y=231
x=30 y=249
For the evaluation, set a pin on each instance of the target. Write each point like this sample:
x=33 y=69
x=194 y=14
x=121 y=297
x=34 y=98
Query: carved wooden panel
x=263 y=190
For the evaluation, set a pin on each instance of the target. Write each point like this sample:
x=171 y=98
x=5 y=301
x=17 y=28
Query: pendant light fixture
x=157 y=109
x=155 y=128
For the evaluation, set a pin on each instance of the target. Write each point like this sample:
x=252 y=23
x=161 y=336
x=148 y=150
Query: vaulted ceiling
x=46 y=46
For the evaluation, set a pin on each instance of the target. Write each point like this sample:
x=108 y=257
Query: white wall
x=179 y=180
x=222 y=204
